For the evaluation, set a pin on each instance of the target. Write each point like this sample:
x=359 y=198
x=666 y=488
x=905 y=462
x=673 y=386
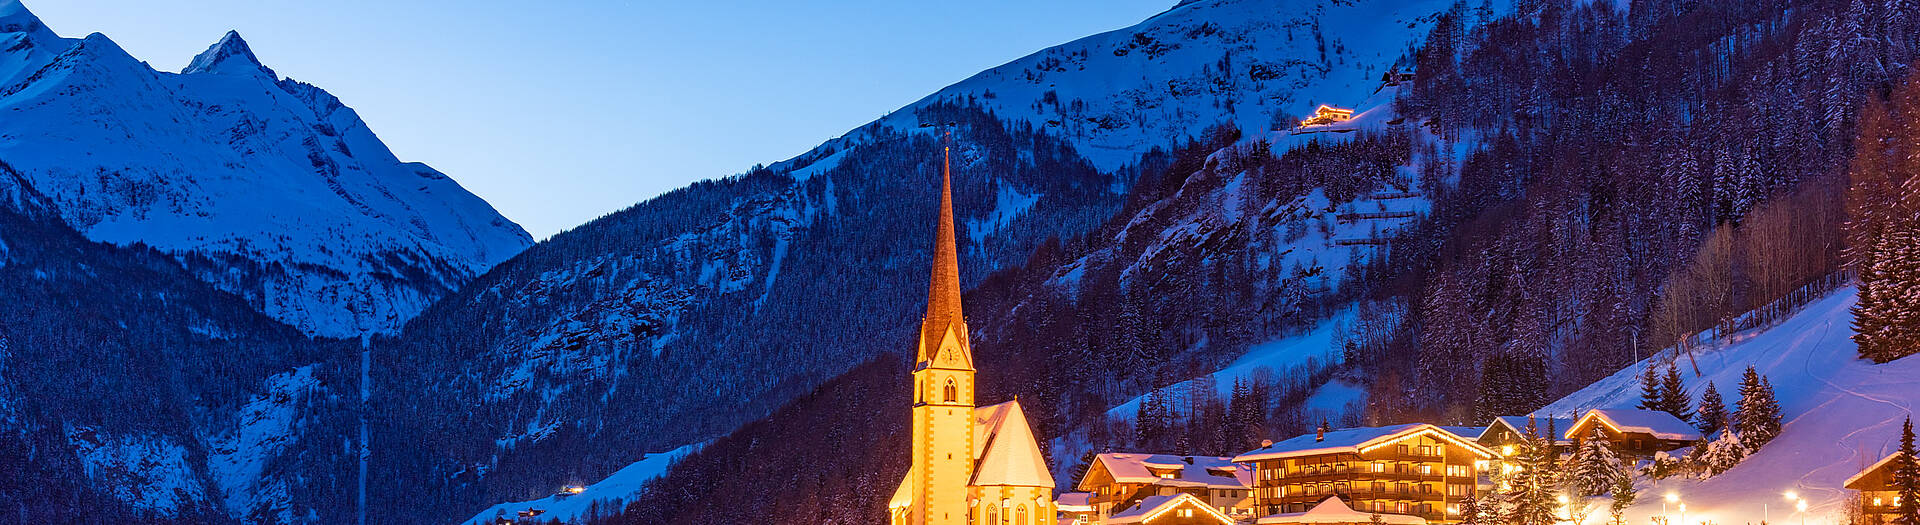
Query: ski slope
x=1839 y=415
x=611 y=493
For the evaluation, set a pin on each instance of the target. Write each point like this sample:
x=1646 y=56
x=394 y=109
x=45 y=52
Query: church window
x=1021 y=515
x=993 y=514
x=953 y=392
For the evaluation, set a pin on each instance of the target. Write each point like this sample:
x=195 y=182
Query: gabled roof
x=1355 y=440
x=1635 y=421
x=1868 y=472
x=1004 y=450
x=1518 y=425
x=1333 y=510
x=1194 y=471
x=1074 y=502
x=1151 y=507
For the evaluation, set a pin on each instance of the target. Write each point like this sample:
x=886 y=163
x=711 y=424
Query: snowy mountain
x=696 y=311
x=266 y=187
x=1839 y=415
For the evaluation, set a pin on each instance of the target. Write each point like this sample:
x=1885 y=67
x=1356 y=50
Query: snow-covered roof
x=903 y=496
x=1191 y=471
x=1629 y=420
x=1074 y=502
x=1153 y=506
x=1353 y=440
x=1005 y=452
x=1864 y=473
x=1333 y=510
x=1518 y=425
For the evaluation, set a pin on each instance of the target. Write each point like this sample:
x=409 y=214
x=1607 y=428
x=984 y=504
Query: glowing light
x=1561 y=498
x=1801 y=506
x=1506 y=450
x=1791 y=495
x=1673 y=497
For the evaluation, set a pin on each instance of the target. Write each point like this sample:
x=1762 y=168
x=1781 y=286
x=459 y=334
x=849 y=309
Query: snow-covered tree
x=1594 y=467
x=1623 y=495
x=1758 y=417
x=1673 y=395
x=1906 y=479
x=1529 y=495
x=1722 y=454
x=1652 y=397
x=1713 y=410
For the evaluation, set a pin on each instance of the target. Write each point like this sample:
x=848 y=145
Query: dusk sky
x=560 y=114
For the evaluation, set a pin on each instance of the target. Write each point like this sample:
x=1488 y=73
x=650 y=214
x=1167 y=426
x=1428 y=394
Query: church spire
x=943 y=292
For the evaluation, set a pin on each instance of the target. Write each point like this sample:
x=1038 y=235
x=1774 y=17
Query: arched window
x=1020 y=515
x=953 y=392
x=993 y=513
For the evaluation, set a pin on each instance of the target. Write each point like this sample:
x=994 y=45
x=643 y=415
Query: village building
x=1177 y=509
x=1118 y=481
x=1334 y=511
x=970 y=465
x=1417 y=470
x=1326 y=114
x=1503 y=435
x=1074 y=508
x=1634 y=432
x=1878 y=497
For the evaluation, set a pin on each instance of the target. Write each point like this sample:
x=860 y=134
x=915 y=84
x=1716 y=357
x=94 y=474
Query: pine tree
x=1713 y=411
x=1906 y=479
x=1758 y=417
x=1673 y=395
x=1470 y=511
x=1529 y=498
x=1596 y=469
x=1652 y=397
x=1623 y=495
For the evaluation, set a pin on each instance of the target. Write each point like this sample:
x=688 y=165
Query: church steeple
x=943 y=291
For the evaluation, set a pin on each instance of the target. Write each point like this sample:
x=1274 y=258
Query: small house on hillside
x=1877 y=496
x=1075 y=508
x=1634 y=432
x=1178 y=509
x=1327 y=115
x=1120 y=480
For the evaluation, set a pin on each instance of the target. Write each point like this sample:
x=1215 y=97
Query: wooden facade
x=1413 y=470
x=1635 y=433
x=1877 y=495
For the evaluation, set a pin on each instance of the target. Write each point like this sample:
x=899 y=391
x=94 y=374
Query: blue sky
x=558 y=112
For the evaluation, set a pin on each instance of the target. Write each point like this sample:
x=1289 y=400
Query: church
x=971 y=465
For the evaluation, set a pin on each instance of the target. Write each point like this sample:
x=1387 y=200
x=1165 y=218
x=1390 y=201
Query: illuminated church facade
x=971 y=465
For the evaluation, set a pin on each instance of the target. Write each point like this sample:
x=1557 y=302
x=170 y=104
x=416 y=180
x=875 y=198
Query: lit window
x=1379 y=466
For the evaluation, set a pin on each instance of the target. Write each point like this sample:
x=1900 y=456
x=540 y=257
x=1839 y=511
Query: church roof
x=1004 y=449
x=903 y=496
x=943 y=290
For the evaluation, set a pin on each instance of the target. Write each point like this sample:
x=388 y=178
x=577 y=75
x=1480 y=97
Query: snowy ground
x=1840 y=414
x=612 y=493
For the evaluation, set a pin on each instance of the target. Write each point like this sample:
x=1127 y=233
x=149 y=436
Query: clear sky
x=560 y=111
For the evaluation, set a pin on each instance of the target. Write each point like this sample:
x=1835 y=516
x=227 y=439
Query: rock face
x=268 y=188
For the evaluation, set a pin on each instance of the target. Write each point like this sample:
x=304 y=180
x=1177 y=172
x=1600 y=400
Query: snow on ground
x=1839 y=413
x=611 y=493
x=1273 y=356
x=148 y=472
x=267 y=424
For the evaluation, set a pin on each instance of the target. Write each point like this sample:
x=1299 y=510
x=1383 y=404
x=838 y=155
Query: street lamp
x=1802 y=507
x=1672 y=497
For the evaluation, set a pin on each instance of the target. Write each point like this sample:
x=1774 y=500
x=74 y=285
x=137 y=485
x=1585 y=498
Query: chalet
x=1877 y=495
x=1178 y=509
x=1504 y=433
x=1334 y=511
x=1327 y=115
x=1416 y=470
x=1119 y=481
x=1075 y=508
x=1633 y=432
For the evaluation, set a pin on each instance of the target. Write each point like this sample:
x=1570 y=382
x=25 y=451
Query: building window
x=1021 y=514
x=1379 y=467
x=1426 y=470
x=1402 y=449
x=993 y=513
x=1400 y=507
x=953 y=392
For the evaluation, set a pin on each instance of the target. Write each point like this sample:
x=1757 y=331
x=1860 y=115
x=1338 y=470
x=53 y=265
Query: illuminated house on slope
x=971 y=465
x=1327 y=115
x=1634 y=432
x=1416 y=470
x=1878 y=497
x=1117 y=482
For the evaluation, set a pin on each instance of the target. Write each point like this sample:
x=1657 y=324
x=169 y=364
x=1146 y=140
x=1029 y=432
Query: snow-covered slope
x=605 y=496
x=1839 y=415
x=266 y=187
x=1257 y=64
